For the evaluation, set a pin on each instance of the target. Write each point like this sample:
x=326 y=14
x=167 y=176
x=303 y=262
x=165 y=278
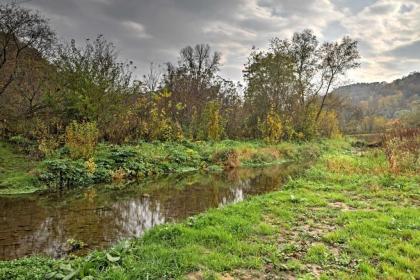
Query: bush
x=402 y=149
x=228 y=158
x=20 y=141
x=261 y=158
x=309 y=152
x=211 y=122
x=81 y=139
x=328 y=125
x=65 y=173
x=272 y=129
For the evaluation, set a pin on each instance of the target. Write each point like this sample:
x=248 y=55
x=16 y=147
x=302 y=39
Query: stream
x=102 y=215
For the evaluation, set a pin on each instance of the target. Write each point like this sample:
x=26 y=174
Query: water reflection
x=100 y=216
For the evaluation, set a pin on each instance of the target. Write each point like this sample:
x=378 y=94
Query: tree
x=336 y=59
x=271 y=84
x=199 y=62
x=192 y=80
x=151 y=80
x=271 y=128
x=303 y=50
x=21 y=30
x=94 y=84
x=211 y=122
x=295 y=75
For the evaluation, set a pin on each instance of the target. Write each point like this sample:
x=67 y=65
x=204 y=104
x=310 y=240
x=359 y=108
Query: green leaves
x=65 y=272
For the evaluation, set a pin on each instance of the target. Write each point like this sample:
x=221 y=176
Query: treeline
x=53 y=92
x=378 y=107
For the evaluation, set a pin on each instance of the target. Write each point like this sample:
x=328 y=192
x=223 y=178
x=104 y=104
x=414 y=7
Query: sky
x=147 y=31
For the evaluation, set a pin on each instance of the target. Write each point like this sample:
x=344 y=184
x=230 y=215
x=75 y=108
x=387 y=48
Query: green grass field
x=346 y=217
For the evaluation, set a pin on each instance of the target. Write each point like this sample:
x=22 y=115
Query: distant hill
x=379 y=102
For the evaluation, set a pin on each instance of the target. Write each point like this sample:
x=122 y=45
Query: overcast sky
x=154 y=30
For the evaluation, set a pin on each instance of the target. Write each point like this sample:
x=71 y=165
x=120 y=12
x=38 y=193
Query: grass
x=355 y=221
x=15 y=171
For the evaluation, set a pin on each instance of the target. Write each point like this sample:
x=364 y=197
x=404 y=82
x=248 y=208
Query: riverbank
x=16 y=171
x=346 y=217
x=116 y=163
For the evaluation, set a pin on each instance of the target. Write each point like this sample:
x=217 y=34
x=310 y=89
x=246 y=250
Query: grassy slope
x=15 y=168
x=345 y=218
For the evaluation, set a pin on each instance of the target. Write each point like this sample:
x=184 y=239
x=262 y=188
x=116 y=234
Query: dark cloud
x=155 y=30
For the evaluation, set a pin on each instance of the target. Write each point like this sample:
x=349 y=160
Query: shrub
x=288 y=150
x=20 y=141
x=228 y=158
x=65 y=173
x=272 y=129
x=48 y=145
x=261 y=158
x=212 y=126
x=308 y=128
x=309 y=152
x=81 y=139
x=90 y=166
x=328 y=125
x=402 y=149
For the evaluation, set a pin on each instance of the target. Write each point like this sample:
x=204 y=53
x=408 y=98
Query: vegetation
x=375 y=107
x=15 y=171
x=57 y=89
x=105 y=163
x=64 y=98
x=81 y=139
x=74 y=114
x=349 y=216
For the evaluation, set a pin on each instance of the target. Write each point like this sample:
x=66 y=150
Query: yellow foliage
x=214 y=126
x=211 y=127
x=90 y=166
x=328 y=125
x=272 y=128
x=47 y=145
x=118 y=175
x=160 y=126
x=309 y=126
x=81 y=139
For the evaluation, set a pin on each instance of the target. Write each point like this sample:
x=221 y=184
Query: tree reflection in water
x=103 y=215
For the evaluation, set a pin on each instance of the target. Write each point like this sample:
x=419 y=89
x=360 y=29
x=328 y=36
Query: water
x=102 y=215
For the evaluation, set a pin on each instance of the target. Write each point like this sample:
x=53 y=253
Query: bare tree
x=20 y=30
x=199 y=61
x=337 y=58
x=153 y=78
x=193 y=80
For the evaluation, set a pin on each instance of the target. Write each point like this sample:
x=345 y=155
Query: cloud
x=146 y=31
x=410 y=50
x=136 y=28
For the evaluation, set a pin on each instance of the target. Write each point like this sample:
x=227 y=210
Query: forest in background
x=378 y=107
